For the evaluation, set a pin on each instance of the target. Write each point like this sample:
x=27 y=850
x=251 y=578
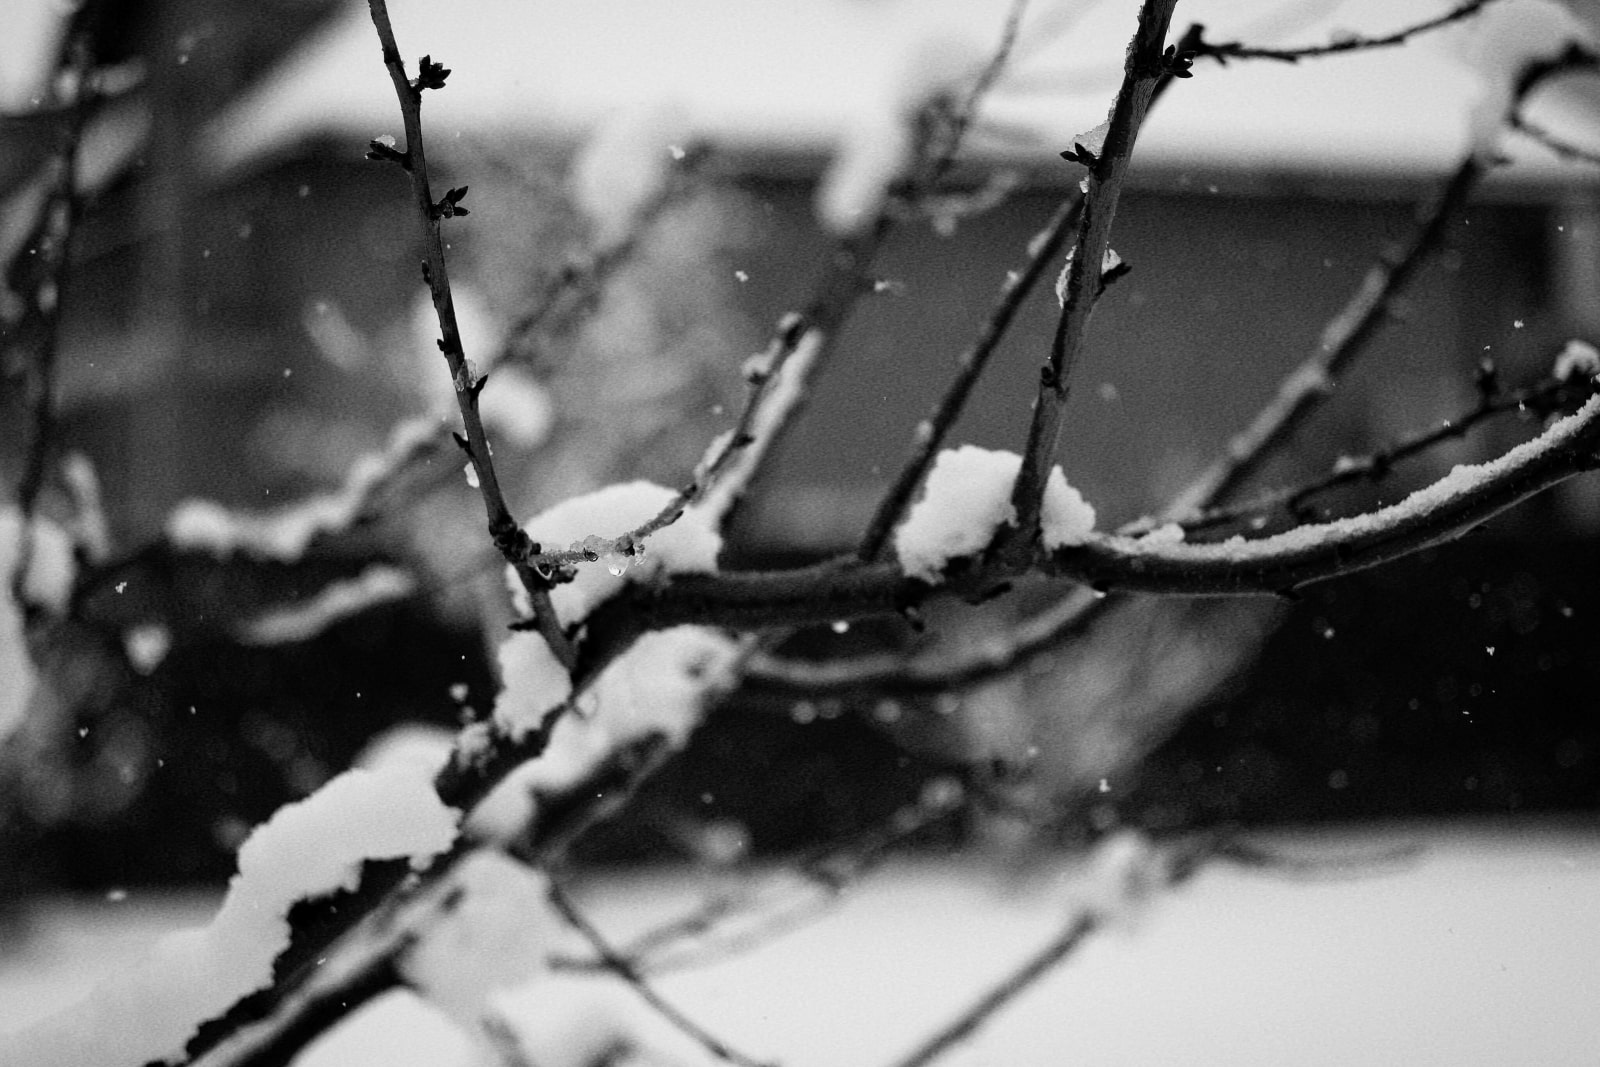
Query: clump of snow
x=532 y=681
x=659 y=686
x=1065 y=518
x=497 y=934
x=624 y=163
x=1499 y=44
x=306 y=850
x=1578 y=359
x=966 y=500
x=690 y=544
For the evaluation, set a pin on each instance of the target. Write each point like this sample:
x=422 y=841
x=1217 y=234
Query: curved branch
x=1353 y=43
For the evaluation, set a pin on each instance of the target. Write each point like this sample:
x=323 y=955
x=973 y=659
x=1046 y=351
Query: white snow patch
x=658 y=686
x=1066 y=518
x=497 y=935
x=690 y=544
x=1579 y=358
x=965 y=501
x=532 y=681
x=306 y=850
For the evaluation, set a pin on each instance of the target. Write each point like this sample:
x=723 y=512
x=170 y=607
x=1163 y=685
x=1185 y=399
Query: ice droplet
x=472 y=475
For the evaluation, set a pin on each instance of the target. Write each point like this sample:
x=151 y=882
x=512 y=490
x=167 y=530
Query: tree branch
x=506 y=534
x=1342 y=44
x=1087 y=263
x=38 y=272
x=621 y=967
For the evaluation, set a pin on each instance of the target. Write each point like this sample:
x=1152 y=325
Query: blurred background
x=243 y=320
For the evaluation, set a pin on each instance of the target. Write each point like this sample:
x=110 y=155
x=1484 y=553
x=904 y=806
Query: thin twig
x=1040 y=963
x=1341 y=44
x=1555 y=142
x=1349 y=333
x=577 y=280
x=623 y=969
x=1088 y=267
x=703 y=935
x=507 y=535
x=1344 y=338
x=970 y=365
x=1541 y=399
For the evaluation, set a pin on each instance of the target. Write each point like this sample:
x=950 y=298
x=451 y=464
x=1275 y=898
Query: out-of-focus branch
x=970 y=365
x=575 y=284
x=624 y=969
x=504 y=530
x=1280 y=564
x=1553 y=141
x=1538 y=400
x=1344 y=338
x=1343 y=43
x=1107 y=152
x=37 y=273
x=731 y=924
x=1348 y=334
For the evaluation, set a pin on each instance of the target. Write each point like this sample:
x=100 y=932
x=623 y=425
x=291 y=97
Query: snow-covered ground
x=1485 y=949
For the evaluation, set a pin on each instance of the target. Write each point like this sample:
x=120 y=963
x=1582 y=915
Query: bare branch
x=1341 y=44
x=1345 y=337
x=622 y=968
x=507 y=535
x=1557 y=144
x=575 y=283
x=1087 y=263
x=1540 y=400
x=970 y=365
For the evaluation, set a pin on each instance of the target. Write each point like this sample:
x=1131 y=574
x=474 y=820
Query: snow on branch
x=1458 y=503
x=306 y=850
x=285 y=534
x=1464 y=499
x=507 y=536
